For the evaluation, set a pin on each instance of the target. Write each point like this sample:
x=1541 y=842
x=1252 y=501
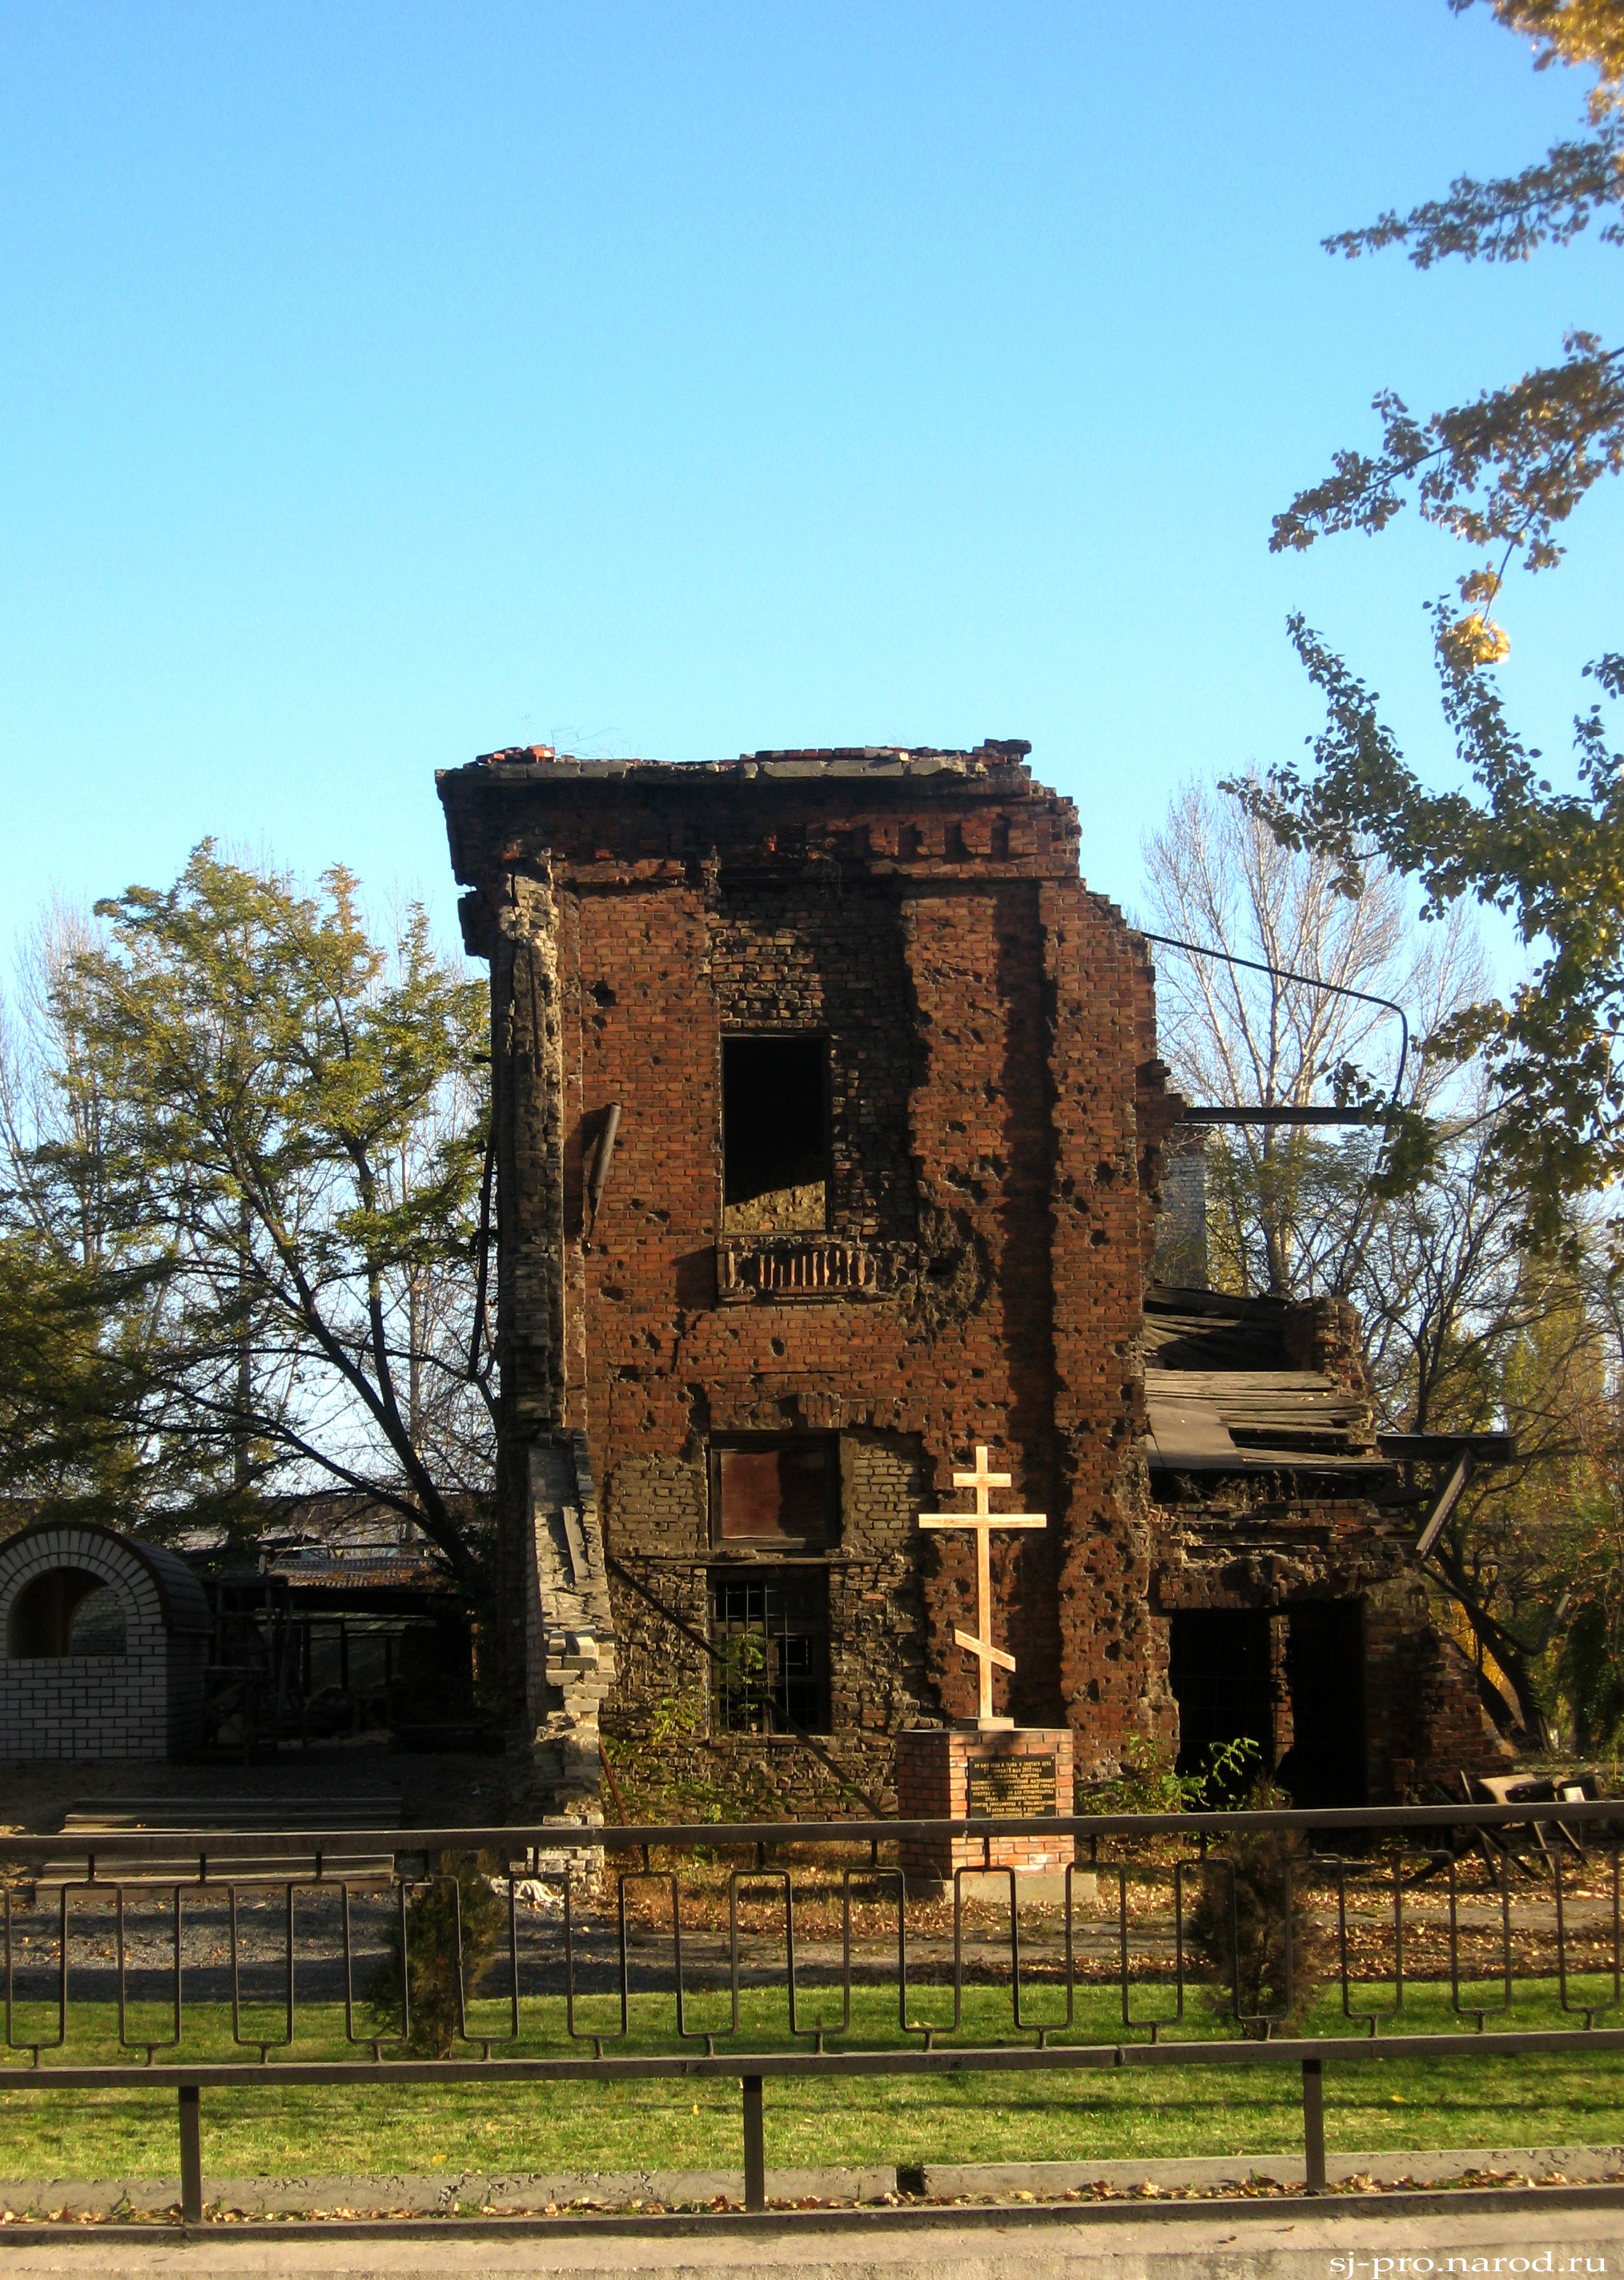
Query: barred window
x=771 y=1640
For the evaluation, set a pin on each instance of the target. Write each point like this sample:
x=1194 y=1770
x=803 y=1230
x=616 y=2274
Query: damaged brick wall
x=1416 y=1692
x=527 y=1111
x=996 y=1116
x=1425 y=1722
x=1326 y=1335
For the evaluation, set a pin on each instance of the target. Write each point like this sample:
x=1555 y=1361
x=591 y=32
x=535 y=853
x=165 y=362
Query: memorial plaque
x=1008 y=1788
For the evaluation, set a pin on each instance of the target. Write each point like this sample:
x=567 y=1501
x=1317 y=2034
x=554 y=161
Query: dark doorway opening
x=1220 y=1670
x=1324 y=1670
x=775 y=1135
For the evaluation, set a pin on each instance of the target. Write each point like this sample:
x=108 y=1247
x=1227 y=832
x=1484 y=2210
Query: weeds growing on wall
x=1148 y=1782
x=672 y=1771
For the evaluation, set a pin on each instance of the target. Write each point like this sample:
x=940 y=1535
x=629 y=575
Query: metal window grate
x=771 y=1640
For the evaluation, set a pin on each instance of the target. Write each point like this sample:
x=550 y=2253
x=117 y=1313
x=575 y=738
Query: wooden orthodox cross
x=983 y=1519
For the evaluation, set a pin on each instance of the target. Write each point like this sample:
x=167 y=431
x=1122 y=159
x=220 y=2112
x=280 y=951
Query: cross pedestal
x=962 y=1773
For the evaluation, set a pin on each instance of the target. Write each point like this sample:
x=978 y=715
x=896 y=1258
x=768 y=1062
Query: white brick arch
x=145 y=1702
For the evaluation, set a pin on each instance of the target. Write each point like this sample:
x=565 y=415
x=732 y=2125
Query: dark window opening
x=771 y=1674
x=1324 y=1670
x=66 y=1611
x=776 y=1136
x=1220 y=1669
x=775 y=1491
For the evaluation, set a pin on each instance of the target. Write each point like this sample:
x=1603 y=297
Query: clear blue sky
x=383 y=384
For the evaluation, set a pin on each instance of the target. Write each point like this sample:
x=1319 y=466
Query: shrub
x=431 y=1946
x=1238 y=1923
x=1147 y=1782
x=672 y=1769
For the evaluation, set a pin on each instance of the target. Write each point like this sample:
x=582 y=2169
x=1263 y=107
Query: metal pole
x=755 y=2146
x=191 y=2157
x=1313 y=2124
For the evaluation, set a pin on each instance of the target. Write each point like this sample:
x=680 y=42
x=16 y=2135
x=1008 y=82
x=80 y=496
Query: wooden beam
x=1266 y=1113
x=1445 y=1505
x=1442 y=1448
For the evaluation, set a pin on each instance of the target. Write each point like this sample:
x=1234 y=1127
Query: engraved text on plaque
x=1005 y=1787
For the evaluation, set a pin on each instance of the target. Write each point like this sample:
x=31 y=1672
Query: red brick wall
x=994 y=1128
x=1423 y=1725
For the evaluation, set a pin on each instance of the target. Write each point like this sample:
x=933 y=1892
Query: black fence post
x=191 y=2156
x=1313 y=2124
x=755 y=2145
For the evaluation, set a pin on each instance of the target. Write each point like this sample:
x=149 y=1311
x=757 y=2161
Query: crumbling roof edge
x=1000 y=760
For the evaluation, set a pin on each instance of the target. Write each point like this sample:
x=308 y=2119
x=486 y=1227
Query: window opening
x=772 y=1641
x=66 y=1611
x=775 y=1493
x=776 y=1136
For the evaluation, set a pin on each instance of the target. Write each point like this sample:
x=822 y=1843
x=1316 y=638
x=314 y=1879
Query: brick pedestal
x=933 y=1782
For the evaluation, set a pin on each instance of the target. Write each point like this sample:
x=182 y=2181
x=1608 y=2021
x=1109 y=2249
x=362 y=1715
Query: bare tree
x=1290 y=1212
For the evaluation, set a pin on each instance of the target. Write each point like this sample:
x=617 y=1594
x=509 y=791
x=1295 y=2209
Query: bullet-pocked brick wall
x=144 y=1703
x=996 y=1114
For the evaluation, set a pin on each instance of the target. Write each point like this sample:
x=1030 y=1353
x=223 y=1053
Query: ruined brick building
x=829 y=1132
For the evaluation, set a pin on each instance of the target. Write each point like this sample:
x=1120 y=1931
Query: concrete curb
x=513 y=2192
x=1573 y=2164
x=1568 y=2230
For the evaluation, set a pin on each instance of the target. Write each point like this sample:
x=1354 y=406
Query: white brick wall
x=145 y=1703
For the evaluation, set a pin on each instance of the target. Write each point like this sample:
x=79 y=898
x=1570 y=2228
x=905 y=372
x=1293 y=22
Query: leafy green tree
x=1509 y=1310
x=1589 y=1622
x=1504 y=474
x=61 y=1452
x=70 y=1368
x=1506 y=1557
x=284 y=1174
x=1554 y=861
x=1586 y=1653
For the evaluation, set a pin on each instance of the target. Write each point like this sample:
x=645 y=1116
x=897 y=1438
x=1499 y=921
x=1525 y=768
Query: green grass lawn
x=373 y=2128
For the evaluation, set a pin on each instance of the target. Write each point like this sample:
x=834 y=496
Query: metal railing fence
x=202 y=1960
